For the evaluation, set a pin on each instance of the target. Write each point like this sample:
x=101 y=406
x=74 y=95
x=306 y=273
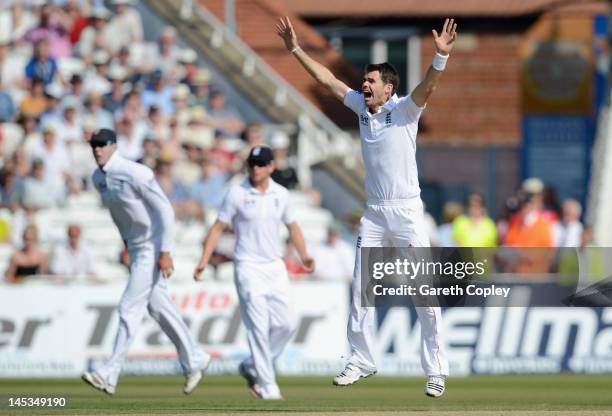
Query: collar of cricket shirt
x=391 y=103
x=272 y=187
x=111 y=161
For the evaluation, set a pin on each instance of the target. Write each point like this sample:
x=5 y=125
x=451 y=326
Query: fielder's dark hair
x=388 y=74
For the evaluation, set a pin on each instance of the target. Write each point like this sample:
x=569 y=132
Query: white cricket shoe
x=351 y=375
x=193 y=379
x=271 y=392
x=435 y=386
x=251 y=379
x=97 y=381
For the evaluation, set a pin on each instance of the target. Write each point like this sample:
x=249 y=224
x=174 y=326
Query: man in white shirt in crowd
x=388 y=127
x=335 y=257
x=255 y=209
x=568 y=231
x=145 y=220
x=73 y=259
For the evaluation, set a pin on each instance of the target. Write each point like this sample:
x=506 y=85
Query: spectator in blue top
x=209 y=190
x=42 y=65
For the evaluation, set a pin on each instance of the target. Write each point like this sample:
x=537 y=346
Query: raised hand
x=284 y=29
x=446 y=40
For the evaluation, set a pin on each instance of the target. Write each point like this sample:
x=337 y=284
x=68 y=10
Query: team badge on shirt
x=365 y=120
x=388 y=120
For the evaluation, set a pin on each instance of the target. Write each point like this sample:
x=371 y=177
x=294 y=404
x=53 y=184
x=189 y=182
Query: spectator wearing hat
x=126 y=24
x=188 y=67
x=34 y=102
x=222 y=116
x=53 y=112
x=113 y=100
x=158 y=93
x=535 y=189
x=168 y=54
x=200 y=87
x=180 y=100
x=96 y=36
x=96 y=80
x=284 y=174
x=194 y=143
x=103 y=119
x=52 y=29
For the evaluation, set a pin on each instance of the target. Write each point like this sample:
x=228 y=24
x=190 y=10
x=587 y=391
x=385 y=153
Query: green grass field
x=497 y=395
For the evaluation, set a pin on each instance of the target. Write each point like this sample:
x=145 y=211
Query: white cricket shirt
x=136 y=202
x=388 y=146
x=255 y=218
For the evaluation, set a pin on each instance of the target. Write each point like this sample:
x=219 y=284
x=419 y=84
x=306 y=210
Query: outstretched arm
x=324 y=76
x=210 y=242
x=444 y=45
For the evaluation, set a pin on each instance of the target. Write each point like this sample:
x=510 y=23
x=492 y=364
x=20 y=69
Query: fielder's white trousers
x=146 y=290
x=398 y=223
x=263 y=291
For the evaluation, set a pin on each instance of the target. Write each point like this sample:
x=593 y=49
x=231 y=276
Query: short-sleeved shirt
x=388 y=146
x=256 y=217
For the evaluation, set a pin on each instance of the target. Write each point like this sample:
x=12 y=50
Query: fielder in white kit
x=144 y=216
x=255 y=209
x=388 y=127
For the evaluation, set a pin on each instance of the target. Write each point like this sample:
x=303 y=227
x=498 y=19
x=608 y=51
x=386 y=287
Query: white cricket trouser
x=146 y=289
x=401 y=224
x=263 y=291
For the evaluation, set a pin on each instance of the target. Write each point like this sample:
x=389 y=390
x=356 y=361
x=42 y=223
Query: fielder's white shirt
x=255 y=217
x=136 y=202
x=388 y=146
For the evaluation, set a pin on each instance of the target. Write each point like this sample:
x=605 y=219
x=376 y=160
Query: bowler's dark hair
x=388 y=74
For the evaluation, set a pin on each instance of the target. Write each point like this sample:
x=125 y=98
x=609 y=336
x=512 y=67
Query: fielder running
x=388 y=128
x=255 y=209
x=145 y=218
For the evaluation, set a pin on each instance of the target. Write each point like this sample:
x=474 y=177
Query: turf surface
x=499 y=395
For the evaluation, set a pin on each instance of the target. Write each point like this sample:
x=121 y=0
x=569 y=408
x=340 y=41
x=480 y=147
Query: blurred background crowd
x=69 y=68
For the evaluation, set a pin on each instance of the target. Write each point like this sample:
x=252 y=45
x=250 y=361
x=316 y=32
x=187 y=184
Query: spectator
x=132 y=106
x=34 y=101
x=76 y=21
x=52 y=153
x=184 y=206
x=335 y=258
x=96 y=80
x=18 y=20
x=126 y=25
x=11 y=186
x=102 y=118
x=151 y=150
x=73 y=258
x=42 y=65
x=130 y=138
x=31 y=134
x=114 y=99
x=7 y=107
x=76 y=86
x=69 y=128
x=180 y=99
x=157 y=125
x=223 y=116
x=476 y=229
x=284 y=174
x=53 y=112
x=568 y=231
x=188 y=170
x=200 y=87
x=96 y=36
x=158 y=93
x=224 y=158
x=168 y=54
x=40 y=191
x=535 y=188
x=208 y=191
x=188 y=70
x=12 y=66
x=28 y=261
x=52 y=29
x=450 y=211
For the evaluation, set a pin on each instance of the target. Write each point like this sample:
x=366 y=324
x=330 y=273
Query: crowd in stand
x=68 y=68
